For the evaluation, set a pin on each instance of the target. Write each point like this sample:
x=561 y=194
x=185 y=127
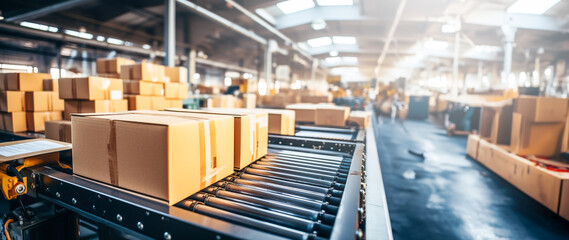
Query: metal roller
x=283 y=189
x=269 y=159
x=303 y=167
x=291 y=177
x=283 y=182
x=295 y=172
x=301 y=164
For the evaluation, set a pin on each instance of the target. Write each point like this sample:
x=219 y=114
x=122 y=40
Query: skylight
x=532 y=6
x=292 y=6
x=319 y=42
x=266 y=15
x=335 y=2
x=344 y=40
x=79 y=34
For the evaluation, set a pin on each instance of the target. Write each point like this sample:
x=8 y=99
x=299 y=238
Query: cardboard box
x=177 y=74
x=144 y=71
x=203 y=89
x=25 y=81
x=472 y=145
x=535 y=138
x=59 y=130
x=12 y=101
x=172 y=158
x=222 y=101
x=303 y=112
x=279 y=100
x=249 y=100
x=564 y=201
x=496 y=121
x=36 y=120
x=51 y=85
x=332 y=115
x=542 y=109
x=174 y=103
x=14 y=122
x=158 y=103
x=143 y=88
x=359 y=118
x=95 y=106
x=251 y=133
x=112 y=65
x=90 y=88
x=38 y=101
x=175 y=90
x=3 y=83
x=281 y=121
x=138 y=102
x=315 y=99
x=485 y=153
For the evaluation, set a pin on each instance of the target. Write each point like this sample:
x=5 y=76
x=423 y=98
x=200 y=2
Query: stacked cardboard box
x=280 y=100
x=537 y=125
x=25 y=104
x=92 y=95
x=173 y=155
x=248 y=100
x=59 y=130
x=221 y=101
x=359 y=118
x=320 y=114
x=496 y=121
x=280 y=121
x=111 y=68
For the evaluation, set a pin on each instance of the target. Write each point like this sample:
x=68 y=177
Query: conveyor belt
x=302 y=189
x=353 y=134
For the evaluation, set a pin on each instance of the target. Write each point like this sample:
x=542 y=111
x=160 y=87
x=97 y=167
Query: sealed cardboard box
x=51 y=85
x=360 y=118
x=496 y=121
x=485 y=153
x=221 y=101
x=303 y=112
x=38 y=101
x=112 y=65
x=143 y=88
x=138 y=102
x=177 y=74
x=174 y=103
x=331 y=115
x=203 y=89
x=472 y=145
x=281 y=121
x=175 y=90
x=90 y=88
x=12 y=101
x=534 y=138
x=144 y=71
x=36 y=120
x=14 y=122
x=315 y=99
x=542 y=109
x=172 y=158
x=95 y=106
x=59 y=130
x=251 y=133
x=56 y=104
x=158 y=103
x=25 y=81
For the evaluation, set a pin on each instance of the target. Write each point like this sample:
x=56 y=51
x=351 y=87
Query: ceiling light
x=335 y=2
x=79 y=34
x=319 y=42
x=449 y=28
x=333 y=59
x=318 y=24
x=435 y=45
x=53 y=29
x=36 y=26
x=532 y=6
x=266 y=15
x=115 y=41
x=1 y=18
x=128 y=44
x=350 y=59
x=146 y=46
x=292 y=6
x=100 y=38
x=344 y=40
x=333 y=53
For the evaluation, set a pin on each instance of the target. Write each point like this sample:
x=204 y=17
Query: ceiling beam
x=336 y=13
x=49 y=10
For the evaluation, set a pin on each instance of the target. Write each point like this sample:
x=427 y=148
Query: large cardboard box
x=174 y=103
x=535 y=138
x=332 y=115
x=171 y=158
x=303 y=112
x=175 y=90
x=59 y=130
x=496 y=121
x=251 y=133
x=95 y=106
x=51 y=85
x=143 y=88
x=138 y=102
x=472 y=145
x=14 y=122
x=41 y=101
x=90 y=88
x=564 y=201
x=177 y=74
x=281 y=121
x=144 y=71
x=542 y=109
x=485 y=153
x=12 y=101
x=36 y=120
x=112 y=65
x=360 y=118
x=25 y=81
x=315 y=99
x=203 y=89
x=221 y=101
x=158 y=103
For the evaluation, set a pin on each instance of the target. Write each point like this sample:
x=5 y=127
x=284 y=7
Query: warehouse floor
x=447 y=195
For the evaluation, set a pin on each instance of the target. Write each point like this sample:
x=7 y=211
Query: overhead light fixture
x=350 y=59
x=319 y=42
x=146 y=46
x=318 y=24
x=336 y=60
x=344 y=40
x=128 y=44
x=79 y=34
x=115 y=41
x=333 y=53
x=435 y=45
x=303 y=46
x=1 y=18
x=333 y=59
x=100 y=38
x=292 y=6
x=335 y=2
x=38 y=26
x=266 y=15
x=449 y=28
x=532 y=6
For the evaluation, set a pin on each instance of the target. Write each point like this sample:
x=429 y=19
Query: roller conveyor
x=299 y=191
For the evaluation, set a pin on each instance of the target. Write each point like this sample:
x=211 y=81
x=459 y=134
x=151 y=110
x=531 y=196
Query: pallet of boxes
x=176 y=153
x=154 y=87
x=27 y=101
x=520 y=141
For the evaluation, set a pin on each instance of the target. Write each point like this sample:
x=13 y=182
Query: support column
x=192 y=66
x=508 y=40
x=269 y=64
x=170 y=32
x=455 y=60
x=313 y=70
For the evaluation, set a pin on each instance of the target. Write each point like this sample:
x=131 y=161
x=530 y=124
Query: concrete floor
x=448 y=195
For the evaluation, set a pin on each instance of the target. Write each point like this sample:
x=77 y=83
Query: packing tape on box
x=112 y=154
x=208 y=153
x=49 y=102
x=23 y=99
x=74 y=88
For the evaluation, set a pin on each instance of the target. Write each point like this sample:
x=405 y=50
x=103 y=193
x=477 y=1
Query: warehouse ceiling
x=349 y=37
